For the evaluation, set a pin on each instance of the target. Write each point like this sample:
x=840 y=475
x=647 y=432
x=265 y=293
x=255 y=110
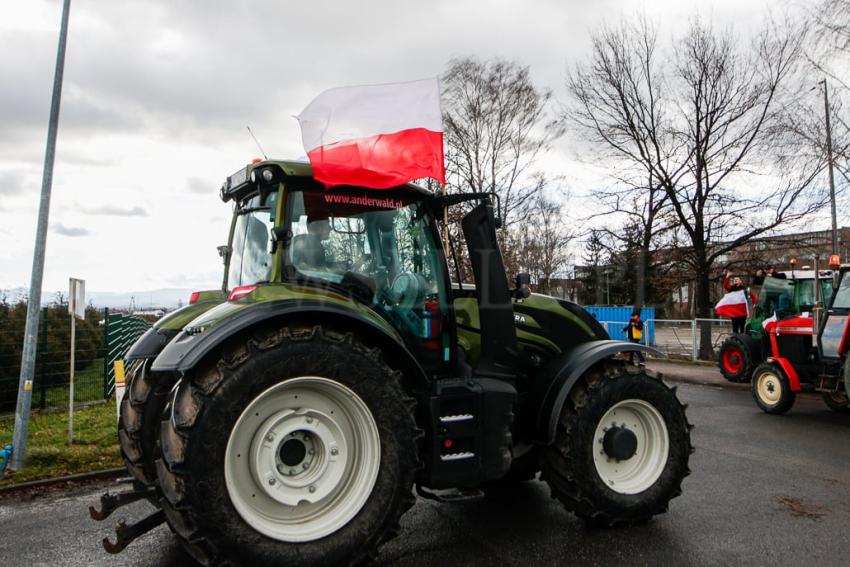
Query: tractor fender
x=550 y=389
x=150 y=343
x=790 y=372
x=187 y=349
x=752 y=345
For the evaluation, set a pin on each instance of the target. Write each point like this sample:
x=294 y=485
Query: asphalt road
x=765 y=490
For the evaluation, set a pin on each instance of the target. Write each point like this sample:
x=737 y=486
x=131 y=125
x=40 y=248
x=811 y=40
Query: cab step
x=450 y=495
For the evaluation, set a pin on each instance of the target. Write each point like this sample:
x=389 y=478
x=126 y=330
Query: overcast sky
x=157 y=95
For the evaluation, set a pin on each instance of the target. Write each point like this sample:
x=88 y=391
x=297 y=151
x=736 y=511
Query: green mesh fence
x=120 y=332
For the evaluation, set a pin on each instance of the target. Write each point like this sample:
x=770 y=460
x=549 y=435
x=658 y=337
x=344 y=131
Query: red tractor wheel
x=736 y=360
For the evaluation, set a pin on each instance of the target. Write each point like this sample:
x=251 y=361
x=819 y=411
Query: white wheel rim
x=325 y=473
x=769 y=387
x=640 y=471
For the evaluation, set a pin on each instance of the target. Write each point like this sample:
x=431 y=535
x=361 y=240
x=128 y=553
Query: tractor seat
x=308 y=252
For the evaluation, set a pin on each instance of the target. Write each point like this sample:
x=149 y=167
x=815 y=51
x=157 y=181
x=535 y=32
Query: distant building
x=671 y=284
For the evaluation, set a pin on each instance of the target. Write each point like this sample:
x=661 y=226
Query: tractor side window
x=842 y=296
x=382 y=249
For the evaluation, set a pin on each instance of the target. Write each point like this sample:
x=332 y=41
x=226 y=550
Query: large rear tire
x=621 y=447
x=837 y=401
x=737 y=358
x=297 y=447
x=771 y=389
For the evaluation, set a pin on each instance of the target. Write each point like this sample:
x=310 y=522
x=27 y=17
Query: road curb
x=682 y=379
x=73 y=478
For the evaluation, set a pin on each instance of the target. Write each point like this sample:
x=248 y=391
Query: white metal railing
x=677 y=337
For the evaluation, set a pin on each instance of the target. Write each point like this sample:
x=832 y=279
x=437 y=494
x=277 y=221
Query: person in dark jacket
x=634 y=331
x=771 y=271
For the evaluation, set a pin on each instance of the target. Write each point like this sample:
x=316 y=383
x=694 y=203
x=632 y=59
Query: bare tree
x=639 y=209
x=496 y=126
x=544 y=243
x=828 y=51
x=703 y=123
x=830 y=42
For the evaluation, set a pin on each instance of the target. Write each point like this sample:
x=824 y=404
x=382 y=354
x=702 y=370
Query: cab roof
x=303 y=169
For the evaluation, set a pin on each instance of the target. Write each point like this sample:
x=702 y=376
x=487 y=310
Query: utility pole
x=22 y=410
x=831 y=178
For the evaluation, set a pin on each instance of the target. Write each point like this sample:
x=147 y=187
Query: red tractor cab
x=807 y=353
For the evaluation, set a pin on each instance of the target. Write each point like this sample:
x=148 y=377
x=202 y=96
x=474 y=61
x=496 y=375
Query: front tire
x=771 y=389
x=139 y=418
x=621 y=448
x=297 y=447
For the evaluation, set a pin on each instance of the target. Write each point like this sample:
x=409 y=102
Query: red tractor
x=808 y=354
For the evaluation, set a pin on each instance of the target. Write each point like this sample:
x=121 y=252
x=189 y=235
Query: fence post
x=694 y=339
x=42 y=353
x=105 y=350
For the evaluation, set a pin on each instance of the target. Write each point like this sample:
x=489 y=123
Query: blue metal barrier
x=615 y=318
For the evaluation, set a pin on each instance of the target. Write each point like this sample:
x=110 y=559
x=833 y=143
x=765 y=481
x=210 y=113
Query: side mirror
x=280 y=234
x=224 y=252
x=522 y=280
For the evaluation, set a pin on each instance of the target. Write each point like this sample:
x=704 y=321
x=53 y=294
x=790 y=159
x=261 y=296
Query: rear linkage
x=124 y=533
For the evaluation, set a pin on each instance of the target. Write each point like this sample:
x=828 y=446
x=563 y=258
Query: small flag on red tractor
x=376 y=136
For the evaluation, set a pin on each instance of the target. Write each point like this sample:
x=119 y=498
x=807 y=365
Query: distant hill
x=165 y=298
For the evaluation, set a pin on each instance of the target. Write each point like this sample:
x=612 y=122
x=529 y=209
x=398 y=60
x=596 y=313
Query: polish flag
x=733 y=304
x=376 y=136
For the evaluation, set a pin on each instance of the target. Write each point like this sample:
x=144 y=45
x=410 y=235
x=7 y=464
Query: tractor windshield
x=776 y=295
x=250 y=261
x=806 y=293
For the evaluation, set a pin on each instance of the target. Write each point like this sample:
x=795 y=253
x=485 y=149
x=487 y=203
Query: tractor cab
x=792 y=295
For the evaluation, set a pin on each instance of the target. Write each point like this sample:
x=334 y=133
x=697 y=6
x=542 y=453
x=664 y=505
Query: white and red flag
x=375 y=136
x=733 y=304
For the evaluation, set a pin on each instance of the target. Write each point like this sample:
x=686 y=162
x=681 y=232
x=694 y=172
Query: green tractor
x=287 y=418
x=792 y=293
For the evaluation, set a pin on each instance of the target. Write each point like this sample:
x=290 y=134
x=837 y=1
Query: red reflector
x=447 y=443
x=240 y=292
x=194 y=297
x=431 y=344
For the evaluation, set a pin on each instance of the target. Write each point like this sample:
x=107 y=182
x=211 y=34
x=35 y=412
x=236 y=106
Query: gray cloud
x=11 y=182
x=201 y=186
x=114 y=211
x=71 y=231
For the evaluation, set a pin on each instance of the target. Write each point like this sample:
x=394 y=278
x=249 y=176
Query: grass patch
x=48 y=454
